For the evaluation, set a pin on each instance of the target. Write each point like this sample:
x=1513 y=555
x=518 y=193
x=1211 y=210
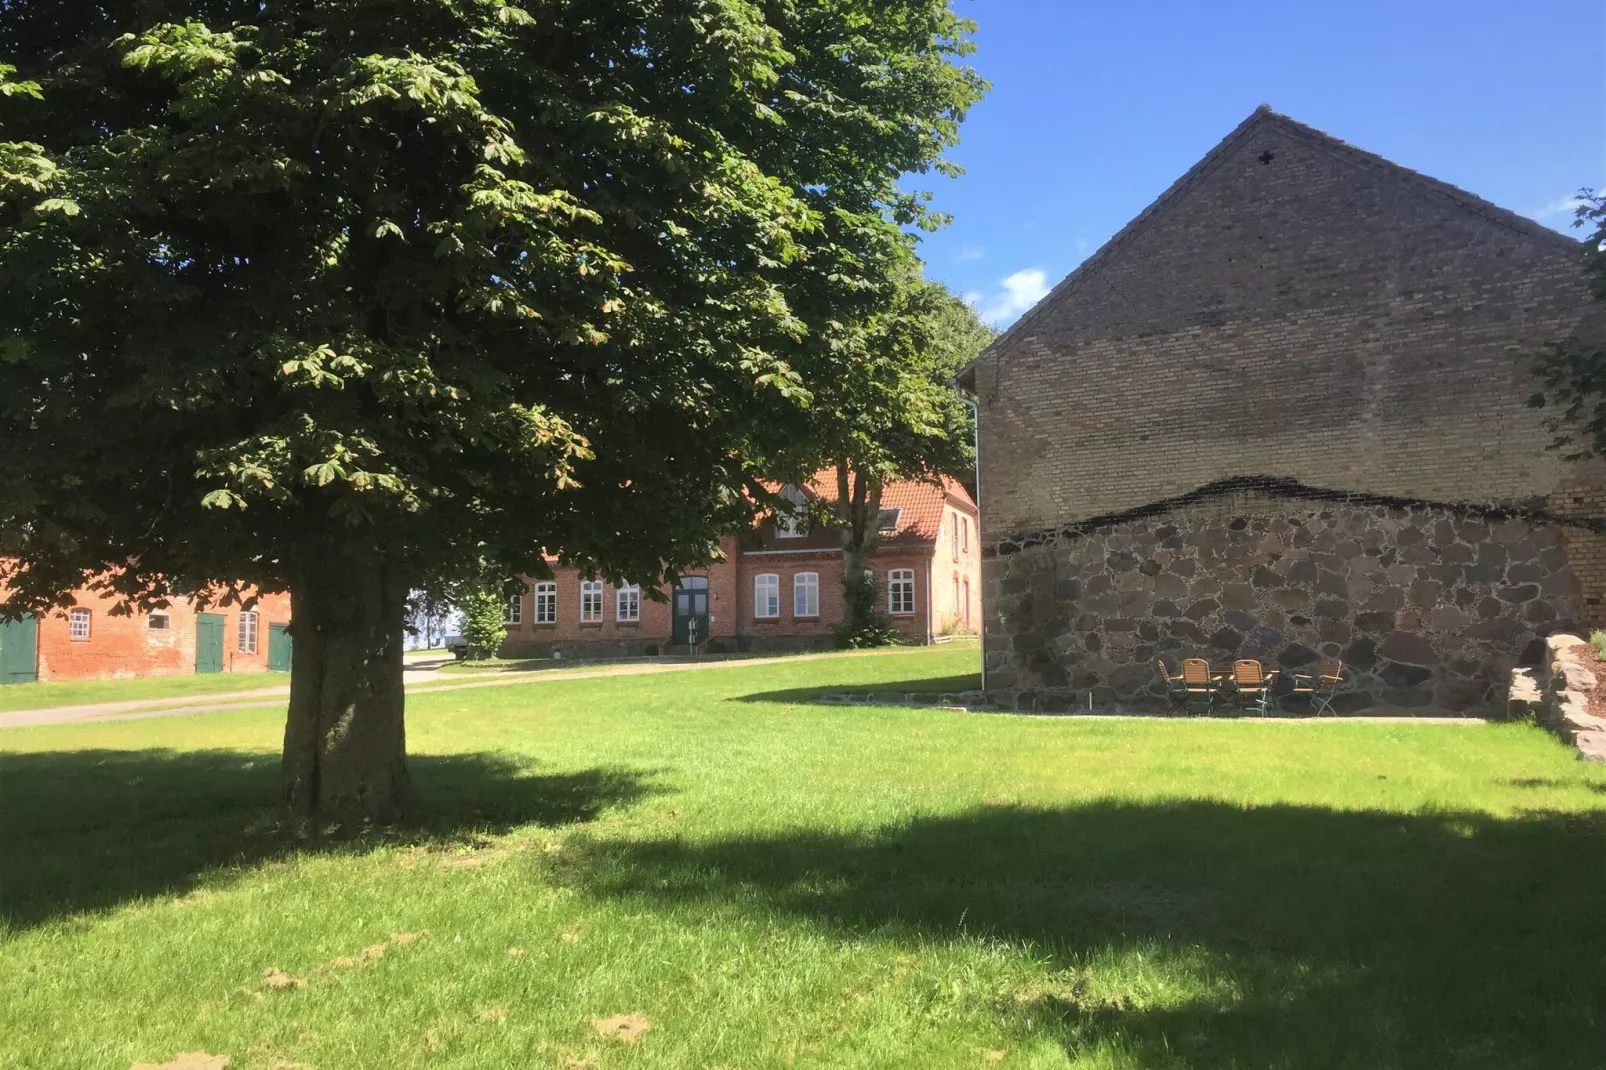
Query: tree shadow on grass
x=930 y=685
x=1212 y=935
x=88 y=830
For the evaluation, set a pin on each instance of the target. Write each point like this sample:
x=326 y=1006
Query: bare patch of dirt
x=626 y=1027
x=581 y=1062
x=472 y=859
x=515 y=952
x=1589 y=658
x=571 y=935
x=277 y=978
x=994 y=1056
x=189 y=1060
x=493 y=1014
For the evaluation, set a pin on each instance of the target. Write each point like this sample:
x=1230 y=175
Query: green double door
x=19 y=651
x=208 y=642
x=690 y=624
x=279 y=648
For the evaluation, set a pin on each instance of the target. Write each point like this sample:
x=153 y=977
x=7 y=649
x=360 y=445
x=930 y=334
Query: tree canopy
x=1573 y=370
x=337 y=296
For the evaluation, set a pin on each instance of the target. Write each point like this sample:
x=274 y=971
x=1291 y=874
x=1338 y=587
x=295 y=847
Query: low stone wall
x=1558 y=695
x=1430 y=607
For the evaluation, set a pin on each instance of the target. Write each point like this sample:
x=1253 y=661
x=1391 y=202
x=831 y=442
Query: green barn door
x=208 y=642
x=691 y=611
x=19 y=651
x=278 y=648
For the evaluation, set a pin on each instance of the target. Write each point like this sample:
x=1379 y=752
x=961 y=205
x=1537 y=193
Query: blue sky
x=1098 y=105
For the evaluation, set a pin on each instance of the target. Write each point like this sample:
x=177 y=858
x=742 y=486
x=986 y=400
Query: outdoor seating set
x=1248 y=684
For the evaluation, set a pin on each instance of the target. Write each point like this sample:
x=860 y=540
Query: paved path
x=420 y=681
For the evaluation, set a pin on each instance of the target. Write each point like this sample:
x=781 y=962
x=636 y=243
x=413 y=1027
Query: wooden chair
x=1176 y=691
x=1319 y=687
x=1253 y=682
x=1197 y=681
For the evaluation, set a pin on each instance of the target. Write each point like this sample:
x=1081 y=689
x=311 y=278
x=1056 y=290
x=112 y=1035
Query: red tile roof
x=920 y=504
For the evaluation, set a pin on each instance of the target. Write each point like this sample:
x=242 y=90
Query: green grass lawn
x=51 y=693
x=762 y=882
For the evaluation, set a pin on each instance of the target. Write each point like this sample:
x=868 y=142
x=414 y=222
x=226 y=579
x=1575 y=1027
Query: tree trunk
x=345 y=748
x=860 y=499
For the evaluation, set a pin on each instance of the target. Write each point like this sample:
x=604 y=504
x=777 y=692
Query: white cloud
x=968 y=253
x=1561 y=206
x=1015 y=295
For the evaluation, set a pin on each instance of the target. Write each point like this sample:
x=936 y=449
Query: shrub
x=483 y=627
x=863 y=623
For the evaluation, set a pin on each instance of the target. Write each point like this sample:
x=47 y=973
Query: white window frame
x=793 y=525
x=78 y=624
x=590 y=601
x=901 y=592
x=888 y=529
x=245 y=633
x=513 y=612
x=546 y=603
x=627 y=603
x=964 y=528
x=766 y=596
x=956 y=594
x=159 y=615
x=965 y=605
x=954 y=532
x=805 y=594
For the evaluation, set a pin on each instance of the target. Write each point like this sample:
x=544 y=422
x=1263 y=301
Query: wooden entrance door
x=208 y=642
x=19 y=651
x=278 y=648
x=691 y=611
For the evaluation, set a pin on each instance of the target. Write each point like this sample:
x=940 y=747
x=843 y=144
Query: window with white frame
x=956 y=595
x=627 y=602
x=245 y=640
x=78 y=624
x=806 y=594
x=590 y=601
x=158 y=622
x=767 y=595
x=964 y=533
x=887 y=521
x=965 y=605
x=793 y=524
x=546 y=603
x=514 y=613
x=901 y=590
x=953 y=530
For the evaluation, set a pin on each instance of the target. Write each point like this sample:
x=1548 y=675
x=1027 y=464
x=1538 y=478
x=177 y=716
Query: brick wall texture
x=1302 y=313
x=127 y=646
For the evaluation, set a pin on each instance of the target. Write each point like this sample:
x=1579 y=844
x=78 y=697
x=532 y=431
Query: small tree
x=485 y=622
x=1573 y=370
x=863 y=623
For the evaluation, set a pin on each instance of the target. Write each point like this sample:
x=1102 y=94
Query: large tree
x=341 y=296
x=889 y=414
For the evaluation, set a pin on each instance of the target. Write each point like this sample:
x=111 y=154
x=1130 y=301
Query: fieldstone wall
x=1430 y=606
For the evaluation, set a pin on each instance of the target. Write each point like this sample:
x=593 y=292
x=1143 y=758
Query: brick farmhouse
x=778 y=587
x=1283 y=415
x=87 y=641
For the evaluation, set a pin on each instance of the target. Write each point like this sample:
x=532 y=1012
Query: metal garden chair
x=1319 y=687
x=1253 y=682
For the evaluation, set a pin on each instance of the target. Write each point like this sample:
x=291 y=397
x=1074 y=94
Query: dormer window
x=794 y=523
x=887 y=521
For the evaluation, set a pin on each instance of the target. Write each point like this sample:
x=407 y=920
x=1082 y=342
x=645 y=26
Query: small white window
x=791 y=525
x=964 y=537
x=78 y=624
x=590 y=601
x=158 y=622
x=546 y=603
x=627 y=602
x=887 y=521
x=514 y=613
x=806 y=594
x=956 y=594
x=246 y=641
x=901 y=590
x=767 y=595
x=954 y=531
x=966 y=602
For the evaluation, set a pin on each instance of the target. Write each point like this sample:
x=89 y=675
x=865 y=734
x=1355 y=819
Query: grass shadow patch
x=88 y=830
x=929 y=685
x=1265 y=936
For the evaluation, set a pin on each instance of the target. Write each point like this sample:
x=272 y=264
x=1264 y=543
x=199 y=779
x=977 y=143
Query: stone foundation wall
x=1429 y=606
